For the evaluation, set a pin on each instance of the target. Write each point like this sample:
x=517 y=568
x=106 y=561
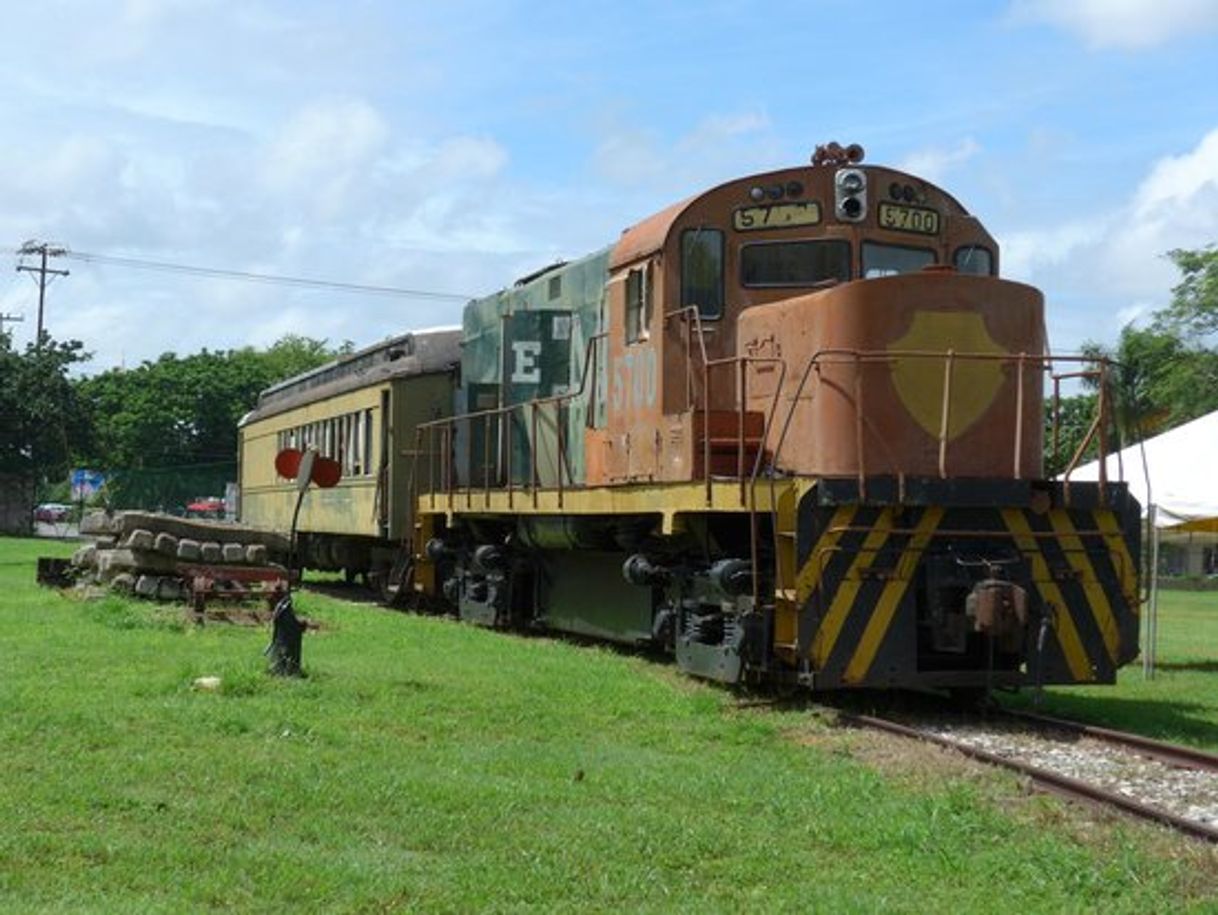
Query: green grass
x=1181 y=702
x=428 y=765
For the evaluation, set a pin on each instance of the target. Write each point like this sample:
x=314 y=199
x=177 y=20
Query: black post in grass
x=287 y=633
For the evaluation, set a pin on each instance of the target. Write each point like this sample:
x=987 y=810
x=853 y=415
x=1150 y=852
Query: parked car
x=52 y=512
x=206 y=507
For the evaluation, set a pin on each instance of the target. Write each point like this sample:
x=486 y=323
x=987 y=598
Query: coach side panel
x=348 y=428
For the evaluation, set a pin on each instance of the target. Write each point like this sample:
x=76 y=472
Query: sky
x=454 y=147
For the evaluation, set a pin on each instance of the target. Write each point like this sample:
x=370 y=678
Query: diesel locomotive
x=789 y=430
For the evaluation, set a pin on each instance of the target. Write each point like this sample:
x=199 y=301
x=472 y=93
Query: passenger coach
x=361 y=410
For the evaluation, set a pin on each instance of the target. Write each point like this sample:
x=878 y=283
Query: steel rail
x=1052 y=781
x=1170 y=753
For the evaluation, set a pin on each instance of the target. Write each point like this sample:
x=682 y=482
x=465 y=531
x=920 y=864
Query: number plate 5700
x=909 y=219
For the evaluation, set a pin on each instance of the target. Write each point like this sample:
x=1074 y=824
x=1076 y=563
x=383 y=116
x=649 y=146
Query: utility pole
x=12 y=319
x=43 y=271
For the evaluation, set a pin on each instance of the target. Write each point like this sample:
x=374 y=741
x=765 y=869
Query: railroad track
x=1164 y=783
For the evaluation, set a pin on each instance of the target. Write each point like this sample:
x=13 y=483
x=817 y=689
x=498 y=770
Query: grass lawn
x=1181 y=703
x=424 y=764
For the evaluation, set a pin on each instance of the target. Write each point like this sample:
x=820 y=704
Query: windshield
x=889 y=260
x=794 y=263
x=974 y=259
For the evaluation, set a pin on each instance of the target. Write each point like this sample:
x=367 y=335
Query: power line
x=9 y=318
x=249 y=276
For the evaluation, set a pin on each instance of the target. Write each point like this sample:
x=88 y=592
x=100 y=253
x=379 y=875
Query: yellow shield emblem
x=919 y=380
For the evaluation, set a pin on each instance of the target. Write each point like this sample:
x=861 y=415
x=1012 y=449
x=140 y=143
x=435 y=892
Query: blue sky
x=456 y=146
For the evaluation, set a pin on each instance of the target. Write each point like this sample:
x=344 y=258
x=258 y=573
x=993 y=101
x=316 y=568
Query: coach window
x=702 y=271
x=344 y=451
x=638 y=304
x=369 y=466
x=794 y=263
x=974 y=259
x=889 y=260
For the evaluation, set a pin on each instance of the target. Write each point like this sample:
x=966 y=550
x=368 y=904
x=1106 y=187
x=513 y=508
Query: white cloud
x=718 y=145
x=1130 y=24
x=1135 y=312
x=1111 y=267
x=323 y=150
x=935 y=163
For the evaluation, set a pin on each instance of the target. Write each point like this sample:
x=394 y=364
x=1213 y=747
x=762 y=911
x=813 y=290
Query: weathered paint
x=862 y=571
x=657 y=383
x=670 y=503
x=353 y=506
x=883 y=412
x=524 y=343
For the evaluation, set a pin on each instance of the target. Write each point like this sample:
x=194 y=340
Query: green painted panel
x=583 y=592
x=532 y=341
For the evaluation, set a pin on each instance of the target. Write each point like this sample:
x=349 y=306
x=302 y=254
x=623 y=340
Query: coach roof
x=418 y=353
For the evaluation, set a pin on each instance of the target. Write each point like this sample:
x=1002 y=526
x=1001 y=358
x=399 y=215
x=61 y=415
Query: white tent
x=1182 y=501
x=1183 y=482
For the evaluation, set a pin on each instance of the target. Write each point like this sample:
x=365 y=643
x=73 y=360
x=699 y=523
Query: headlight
x=850 y=186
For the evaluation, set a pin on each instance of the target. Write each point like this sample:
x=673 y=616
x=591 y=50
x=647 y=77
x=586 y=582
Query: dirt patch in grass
x=925 y=767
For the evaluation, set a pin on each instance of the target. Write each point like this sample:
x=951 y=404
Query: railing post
x=486 y=458
x=1103 y=432
x=509 y=430
x=1057 y=419
x=533 y=448
x=469 y=473
x=706 y=469
x=414 y=483
x=448 y=461
x=689 y=363
x=431 y=464
x=859 y=441
x=741 y=382
x=1019 y=416
x=945 y=418
x=562 y=448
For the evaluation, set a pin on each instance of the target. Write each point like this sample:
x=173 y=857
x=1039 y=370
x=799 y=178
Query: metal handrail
x=694 y=312
x=858 y=358
x=742 y=364
x=448 y=425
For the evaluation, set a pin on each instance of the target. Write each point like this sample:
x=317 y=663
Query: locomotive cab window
x=638 y=304
x=974 y=259
x=702 y=271
x=794 y=263
x=890 y=260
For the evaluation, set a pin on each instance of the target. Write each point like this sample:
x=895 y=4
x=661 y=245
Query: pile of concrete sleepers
x=163 y=557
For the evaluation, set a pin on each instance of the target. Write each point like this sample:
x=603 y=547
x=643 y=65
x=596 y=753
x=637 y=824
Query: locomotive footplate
x=928 y=583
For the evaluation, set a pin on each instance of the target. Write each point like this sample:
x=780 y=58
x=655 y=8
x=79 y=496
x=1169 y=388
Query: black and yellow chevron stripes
x=854 y=579
x=859 y=587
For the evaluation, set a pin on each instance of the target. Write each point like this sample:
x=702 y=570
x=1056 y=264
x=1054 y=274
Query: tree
x=1194 y=307
x=1074 y=418
x=1166 y=373
x=184 y=410
x=42 y=418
